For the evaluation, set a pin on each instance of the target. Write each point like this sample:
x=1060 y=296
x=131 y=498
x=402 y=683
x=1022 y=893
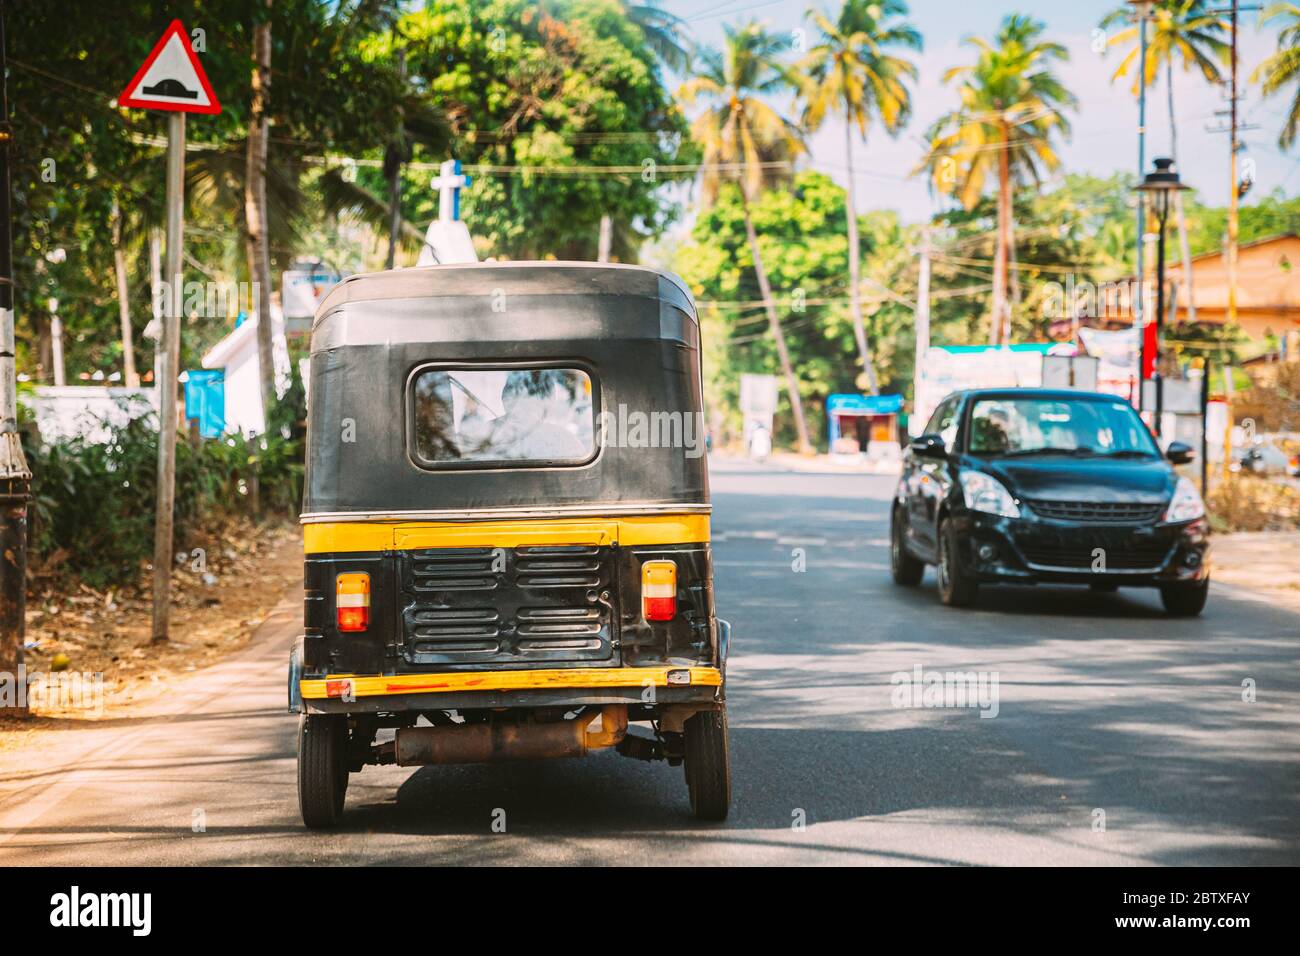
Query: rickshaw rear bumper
x=464 y=690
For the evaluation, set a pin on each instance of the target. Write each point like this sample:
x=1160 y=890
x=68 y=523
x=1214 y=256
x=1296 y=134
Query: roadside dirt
x=218 y=599
x=1266 y=562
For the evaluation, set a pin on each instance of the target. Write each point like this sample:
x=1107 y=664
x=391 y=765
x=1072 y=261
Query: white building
x=237 y=354
x=87 y=411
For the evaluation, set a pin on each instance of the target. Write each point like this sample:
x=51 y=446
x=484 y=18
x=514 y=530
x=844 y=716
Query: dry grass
x=1245 y=502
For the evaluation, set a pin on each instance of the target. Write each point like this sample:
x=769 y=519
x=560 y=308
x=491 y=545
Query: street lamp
x=1158 y=186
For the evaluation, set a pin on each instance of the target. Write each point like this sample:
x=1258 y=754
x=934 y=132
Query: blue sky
x=1104 y=136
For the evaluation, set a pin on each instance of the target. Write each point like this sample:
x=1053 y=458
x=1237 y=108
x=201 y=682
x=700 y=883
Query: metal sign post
x=171 y=79
x=169 y=349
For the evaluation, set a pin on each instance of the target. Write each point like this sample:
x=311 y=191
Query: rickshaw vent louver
x=454 y=569
x=560 y=566
x=498 y=605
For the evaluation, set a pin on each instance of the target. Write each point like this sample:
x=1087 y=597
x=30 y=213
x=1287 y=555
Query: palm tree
x=852 y=73
x=1186 y=30
x=1011 y=105
x=256 y=235
x=746 y=141
x=1283 y=67
x=665 y=33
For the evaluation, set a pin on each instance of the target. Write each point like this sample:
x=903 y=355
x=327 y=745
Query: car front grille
x=1143 y=557
x=1097 y=512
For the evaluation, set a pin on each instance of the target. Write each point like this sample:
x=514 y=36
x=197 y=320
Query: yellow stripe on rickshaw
x=571 y=678
x=344 y=536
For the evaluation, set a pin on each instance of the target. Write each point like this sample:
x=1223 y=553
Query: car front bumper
x=1027 y=550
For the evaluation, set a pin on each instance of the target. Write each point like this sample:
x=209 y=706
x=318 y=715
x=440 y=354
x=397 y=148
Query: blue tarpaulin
x=205 y=400
x=852 y=404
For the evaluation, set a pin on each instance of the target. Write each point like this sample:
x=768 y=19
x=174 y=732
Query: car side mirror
x=928 y=446
x=1179 y=453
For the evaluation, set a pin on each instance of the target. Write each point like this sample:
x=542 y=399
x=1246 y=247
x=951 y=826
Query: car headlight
x=985 y=493
x=1186 y=503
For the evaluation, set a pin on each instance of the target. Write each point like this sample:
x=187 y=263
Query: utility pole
x=56 y=344
x=1234 y=146
x=157 y=309
x=169 y=354
x=393 y=159
x=1142 y=11
x=1232 y=191
x=606 y=240
x=15 y=477
x=922 y=307
x=921 y=315
x=257 y=239
x=130 y=377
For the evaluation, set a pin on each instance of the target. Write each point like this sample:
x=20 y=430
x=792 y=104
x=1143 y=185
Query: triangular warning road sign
x=171 y=78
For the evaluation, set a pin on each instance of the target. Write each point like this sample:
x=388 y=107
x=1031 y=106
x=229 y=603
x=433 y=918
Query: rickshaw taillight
x=659 y=590
x=352 y=600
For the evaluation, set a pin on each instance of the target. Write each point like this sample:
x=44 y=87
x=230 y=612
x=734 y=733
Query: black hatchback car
x=1026 y=485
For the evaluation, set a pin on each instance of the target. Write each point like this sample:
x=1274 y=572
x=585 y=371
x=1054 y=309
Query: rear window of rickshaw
x=502 y=417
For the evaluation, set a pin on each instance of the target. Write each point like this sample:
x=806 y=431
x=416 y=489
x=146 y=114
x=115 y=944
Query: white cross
x=449 y=183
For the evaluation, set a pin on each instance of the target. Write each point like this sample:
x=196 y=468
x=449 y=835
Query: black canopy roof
x=635 y=329
x=495 y=284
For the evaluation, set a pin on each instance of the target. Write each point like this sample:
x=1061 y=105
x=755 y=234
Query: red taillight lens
x=659 y=590
x=352 y=601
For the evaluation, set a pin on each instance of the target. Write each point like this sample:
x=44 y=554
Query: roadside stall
x=863 y=425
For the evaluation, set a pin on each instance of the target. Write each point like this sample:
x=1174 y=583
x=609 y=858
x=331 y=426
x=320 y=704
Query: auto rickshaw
x=506 y=528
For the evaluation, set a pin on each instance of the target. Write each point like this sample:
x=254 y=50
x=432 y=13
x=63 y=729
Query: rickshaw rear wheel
x=708 y=764
x=322 y=769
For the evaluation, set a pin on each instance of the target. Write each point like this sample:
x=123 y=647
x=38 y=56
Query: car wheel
x=1185 y=600
x=957 y=588
x=708 y=764
x=907 y=570
x=322 y=772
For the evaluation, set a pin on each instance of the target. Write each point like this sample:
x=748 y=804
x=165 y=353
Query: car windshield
x=1052 y=426
x=515 y=416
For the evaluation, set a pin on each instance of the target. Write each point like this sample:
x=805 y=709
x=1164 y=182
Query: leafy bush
x=92 y=513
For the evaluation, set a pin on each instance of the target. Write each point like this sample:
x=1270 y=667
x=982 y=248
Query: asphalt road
x=1106 y=712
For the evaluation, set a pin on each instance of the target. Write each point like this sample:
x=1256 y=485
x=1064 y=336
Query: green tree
x=1282 y=68
x=568 y=87
x=745 y=140
x=852 y=73
x=565 y=88
x=77 y=155
x=802 y=242
x=1011 y=108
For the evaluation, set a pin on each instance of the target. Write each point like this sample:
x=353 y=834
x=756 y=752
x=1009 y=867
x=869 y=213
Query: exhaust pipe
x=495 y=742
